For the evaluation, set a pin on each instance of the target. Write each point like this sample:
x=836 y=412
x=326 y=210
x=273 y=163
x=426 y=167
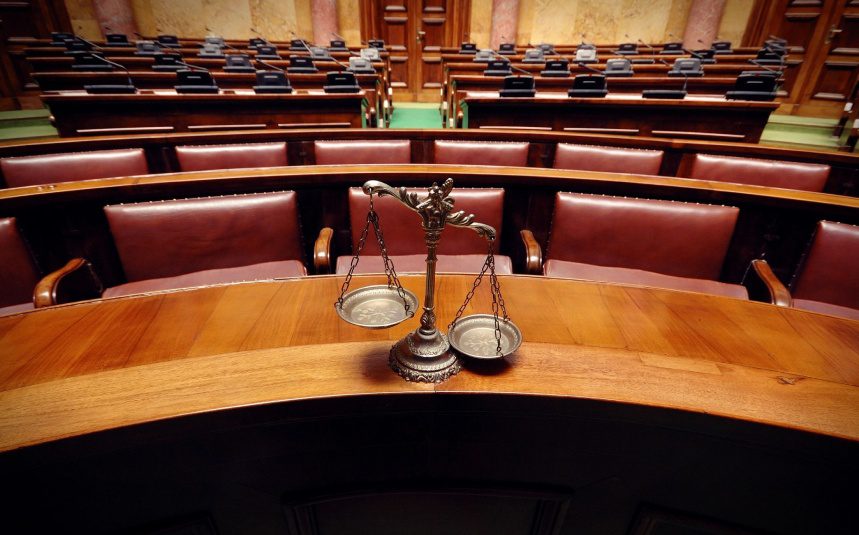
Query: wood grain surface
x=100 y=365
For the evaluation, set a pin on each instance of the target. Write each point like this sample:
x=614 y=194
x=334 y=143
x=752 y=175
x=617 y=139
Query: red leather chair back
x=18 y=275
x=204 y=157
x=513 y=154
x=607 y=159
x=830 y=272
x=52 y=168
x=169 y=238
x=401 y=226
x=673 y=238
x=361 y=152
x=771 y=173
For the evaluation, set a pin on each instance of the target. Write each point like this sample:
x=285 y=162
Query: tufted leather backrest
x=401 y=226
x=481 y=153
x=169 y=238
x=362 y=152
x=673 y=238
x=204 y=157
x=607 y=159
x=830 y=272
x=18 y=275
x=52 y=168
x=774 y=174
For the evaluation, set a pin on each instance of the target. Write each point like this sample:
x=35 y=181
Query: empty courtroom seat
x=18 y=274
x=460 y=250
x=52 y=168
x=205 y=157
x=664 y=244
x=828 y=279
x=771 y=173
x=362 y=152
x=607 y=159
x=514 y=154
x=196 y=242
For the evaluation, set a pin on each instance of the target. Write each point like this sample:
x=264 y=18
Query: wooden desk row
x=76 y=113
x=696 y=116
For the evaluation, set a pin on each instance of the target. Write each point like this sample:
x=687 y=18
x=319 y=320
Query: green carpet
x=416 y=115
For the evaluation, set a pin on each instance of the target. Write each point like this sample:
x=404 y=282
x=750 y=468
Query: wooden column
x=703 y=23
x=118 y=15
x=324 y=16
x=505 y=17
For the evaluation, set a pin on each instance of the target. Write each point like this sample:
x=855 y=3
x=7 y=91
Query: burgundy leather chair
x=512 y=154
x=460 y=250
x=657 y=243
x=607 y=159
x=214 y=240
x=18 y=274
x=362 y=152
x=828 y=279
x=206 y=157
x=757 y=172
x=52 y=168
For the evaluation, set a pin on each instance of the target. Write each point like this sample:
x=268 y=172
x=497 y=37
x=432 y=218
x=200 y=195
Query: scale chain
x=390 y=272
x=488 y=264
x=361 y=241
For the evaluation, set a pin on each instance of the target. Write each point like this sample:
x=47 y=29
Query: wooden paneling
x=835 y=80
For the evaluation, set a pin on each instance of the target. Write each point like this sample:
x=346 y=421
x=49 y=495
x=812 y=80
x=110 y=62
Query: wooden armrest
x=73 y=282
x=779 y=295
x=322 y=251
x=533 y=253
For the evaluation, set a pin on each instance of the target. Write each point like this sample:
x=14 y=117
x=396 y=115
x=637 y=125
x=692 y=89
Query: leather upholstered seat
x=513 y=154
x=18 y=274
x=193 y=242
x=205 y=157
x=607 y=159
x=52 y=168
x=770 y=173
x=828 y=279
x=655 y=243
x=362 y=152
x=460 y=250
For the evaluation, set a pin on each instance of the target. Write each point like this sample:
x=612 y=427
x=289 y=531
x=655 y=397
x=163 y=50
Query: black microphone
x=90 y=43
x=693 y=53
x=193 y=67
x=304 y=44
x=510 y=63
x=269 y=65
x=588 y=67
x=778 y=71
x=647 y=45
x=667 y=93
x=352 y=52
x=112 y=88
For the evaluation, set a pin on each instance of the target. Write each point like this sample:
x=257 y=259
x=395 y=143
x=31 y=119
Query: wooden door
x=414 y=32
x=823 y=36
x=23 y=21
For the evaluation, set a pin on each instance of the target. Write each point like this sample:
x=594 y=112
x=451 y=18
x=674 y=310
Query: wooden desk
x=252 y=402
x=695 y=117
x=660 y=348
x=77 y=113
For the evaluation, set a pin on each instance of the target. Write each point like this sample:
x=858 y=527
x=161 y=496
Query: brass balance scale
x=425 y=354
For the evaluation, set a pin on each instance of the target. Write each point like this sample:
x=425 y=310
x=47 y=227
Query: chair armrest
x=778 y=293
x=322 y=251
x=75 y=281
x=533 y=253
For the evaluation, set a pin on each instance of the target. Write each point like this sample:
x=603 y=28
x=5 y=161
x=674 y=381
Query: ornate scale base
x=425 y=359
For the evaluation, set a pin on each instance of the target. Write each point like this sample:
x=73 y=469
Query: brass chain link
x=390 y=272
x=497 y=299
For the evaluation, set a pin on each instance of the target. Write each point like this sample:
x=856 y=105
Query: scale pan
x=376 y=307
x=474 y=336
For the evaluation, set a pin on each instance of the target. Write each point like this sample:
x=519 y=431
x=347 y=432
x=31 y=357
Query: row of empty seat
x=53 y=168
x=665 y=244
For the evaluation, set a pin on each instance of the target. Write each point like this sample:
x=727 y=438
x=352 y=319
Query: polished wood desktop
x=82 y=114
x=93 y=366
x=695 y=117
